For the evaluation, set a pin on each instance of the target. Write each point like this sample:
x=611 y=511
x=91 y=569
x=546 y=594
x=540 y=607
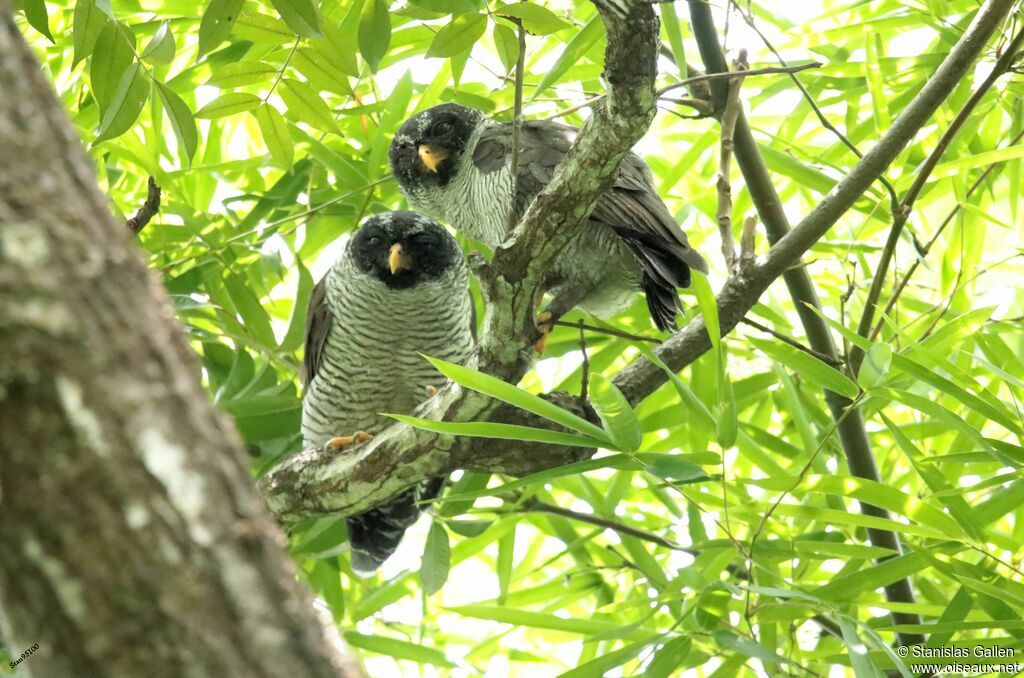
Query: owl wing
x=318 y=325
x=631 y=207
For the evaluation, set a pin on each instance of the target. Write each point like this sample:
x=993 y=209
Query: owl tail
x=376 y=534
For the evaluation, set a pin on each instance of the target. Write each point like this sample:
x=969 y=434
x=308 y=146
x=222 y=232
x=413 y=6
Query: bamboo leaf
x=616 y=415
x=436 y=559
x=496 y=388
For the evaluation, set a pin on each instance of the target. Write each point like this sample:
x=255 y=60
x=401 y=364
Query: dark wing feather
x=631 y=207
x=318 y=326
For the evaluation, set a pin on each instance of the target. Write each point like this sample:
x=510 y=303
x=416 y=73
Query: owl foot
x=338 y=443
x=431 y=390
x=545 y=323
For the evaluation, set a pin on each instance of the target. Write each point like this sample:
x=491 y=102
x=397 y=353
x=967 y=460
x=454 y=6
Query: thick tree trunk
x=132 y=542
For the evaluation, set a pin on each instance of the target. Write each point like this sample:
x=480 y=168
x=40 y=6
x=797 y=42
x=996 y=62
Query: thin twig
x=517 y=122
x=585 y=367
x=537 y=506
x=148 y=209
x=827 y=359
x=748 y=242
x=700 y=105
x=921 y=176
x=605 y=330
x=731 y=75
x=705 y=77
x=729 y=116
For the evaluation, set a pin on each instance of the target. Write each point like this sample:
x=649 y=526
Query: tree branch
x=148 y=209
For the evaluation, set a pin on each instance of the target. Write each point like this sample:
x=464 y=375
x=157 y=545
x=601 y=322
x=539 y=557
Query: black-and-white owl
x=398 y=291
x=454 y=163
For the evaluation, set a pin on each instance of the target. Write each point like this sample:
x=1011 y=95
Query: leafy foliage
x=725 y=532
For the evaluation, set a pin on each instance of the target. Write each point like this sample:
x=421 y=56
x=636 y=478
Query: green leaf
x=338 y=45
x=607 y=661
x=670 y=467
x=229 y=104
x=320 y=72
x=279 y=142
x=296 y=333
x=304 y=104
x=218 y=19
x=504 y=562
x=114 y=55
x=254 y=316
x=945 y=386
x=749 y=648
x=374 y=32
x=399 y=649
x=673 y=27
x=35 y=13
x=182 y=121
x=496 y=388
x=447 y=6
x=458 y=36
x=536 y=19
x=809 y=367
x=469 y=528
x=616 y=415
x=300 y=15
x=570 y=56
x=230 y=76
x=669 y=657
x=507 y=44
x=160 y=49
x=86 y=27
x=437 y=554
x=541 y=620
x=487 y=429
x=260 y=28
x=125 y=104
x=875 y=366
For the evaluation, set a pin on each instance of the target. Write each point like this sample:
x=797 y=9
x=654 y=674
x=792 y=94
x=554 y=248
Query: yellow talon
x=544 y=326
x=340 y=442
x=431 y=391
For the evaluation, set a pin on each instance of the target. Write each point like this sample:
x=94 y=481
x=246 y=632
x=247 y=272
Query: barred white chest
x=371 y=362
x=475 y=203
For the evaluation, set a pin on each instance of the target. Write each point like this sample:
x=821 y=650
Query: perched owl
x=398 y=291
x=454 y=163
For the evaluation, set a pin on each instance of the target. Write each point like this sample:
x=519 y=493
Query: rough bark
x=133 y=542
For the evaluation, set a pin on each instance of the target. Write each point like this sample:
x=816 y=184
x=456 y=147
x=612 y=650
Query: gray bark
x=132 y=541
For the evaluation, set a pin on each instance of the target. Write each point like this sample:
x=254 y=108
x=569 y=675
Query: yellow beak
x=431 y=157
x=398 y=260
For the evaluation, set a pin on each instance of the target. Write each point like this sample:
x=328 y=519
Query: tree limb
x=148 y=209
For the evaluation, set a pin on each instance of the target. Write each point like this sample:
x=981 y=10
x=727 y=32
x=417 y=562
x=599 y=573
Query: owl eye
x=442 y=128
x=374 y=240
